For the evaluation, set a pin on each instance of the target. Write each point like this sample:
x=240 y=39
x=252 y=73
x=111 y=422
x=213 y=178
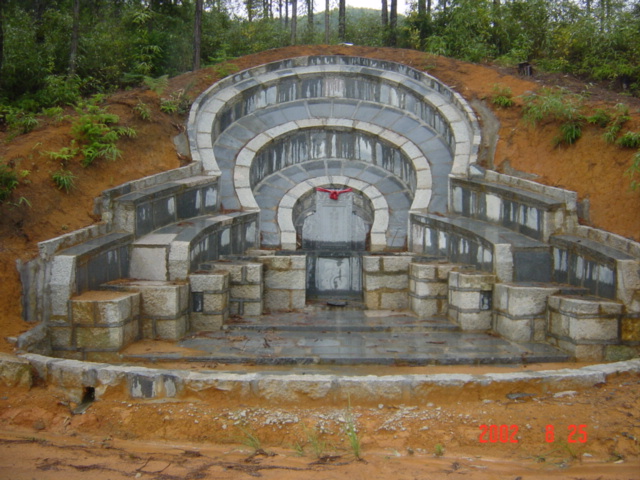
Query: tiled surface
x=351 y=338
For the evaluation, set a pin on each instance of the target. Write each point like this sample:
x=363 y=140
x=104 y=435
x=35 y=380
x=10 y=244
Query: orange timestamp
x=508 y=433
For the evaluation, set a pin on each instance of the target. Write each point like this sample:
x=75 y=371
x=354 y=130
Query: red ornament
x=334 y=194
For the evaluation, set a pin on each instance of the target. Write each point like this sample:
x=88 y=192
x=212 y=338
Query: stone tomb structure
x=333 y=179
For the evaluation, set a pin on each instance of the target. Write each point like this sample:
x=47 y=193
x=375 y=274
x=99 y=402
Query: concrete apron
x=76 y=379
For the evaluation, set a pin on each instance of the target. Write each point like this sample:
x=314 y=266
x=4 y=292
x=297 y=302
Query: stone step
x=349 y=348
x=340 y=322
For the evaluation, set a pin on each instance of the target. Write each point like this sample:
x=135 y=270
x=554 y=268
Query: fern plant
x=97 y=133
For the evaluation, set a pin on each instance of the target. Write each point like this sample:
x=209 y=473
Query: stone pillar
x=245 y=286
x=428 y=288
x=520 y=311
x=471 y=300
x=386 y=282
x=209 y=300
x=285 y=279
x=584 y=326
x=102 y=323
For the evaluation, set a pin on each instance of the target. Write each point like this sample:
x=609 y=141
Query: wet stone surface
x=352 y=337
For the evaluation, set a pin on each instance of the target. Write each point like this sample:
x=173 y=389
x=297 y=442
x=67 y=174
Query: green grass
x=64 y=180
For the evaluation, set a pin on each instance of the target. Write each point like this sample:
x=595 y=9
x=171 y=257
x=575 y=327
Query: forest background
x=53 y=52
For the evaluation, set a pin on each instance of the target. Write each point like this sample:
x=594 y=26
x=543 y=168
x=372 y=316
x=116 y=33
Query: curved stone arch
x=315 y=83
x=317 y=144
x=209 y=103
x=245 y=157
x=290 y=198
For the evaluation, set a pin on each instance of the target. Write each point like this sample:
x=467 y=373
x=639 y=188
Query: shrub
x=142 y=110
x=634 y=171
x=96 y=132
x=629 y=140
x=64 y=180
x=556 y=104
x=502 y=96
x=8 y=182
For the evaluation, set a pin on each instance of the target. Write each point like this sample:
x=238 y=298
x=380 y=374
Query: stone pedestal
x=429 y=288
x=284 y=282
x=386 y=282
x=471 y=300
x=583 y=326
x=245 y=286
x=520 y=311
x=164 y=307
x=100 y=325
x=209 y=300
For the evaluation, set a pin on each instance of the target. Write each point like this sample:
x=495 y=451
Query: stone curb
x=74 y=378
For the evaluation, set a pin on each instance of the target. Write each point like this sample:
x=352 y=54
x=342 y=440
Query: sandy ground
x=595 y=436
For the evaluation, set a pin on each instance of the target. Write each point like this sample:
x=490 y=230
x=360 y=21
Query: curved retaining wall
x=74 y=377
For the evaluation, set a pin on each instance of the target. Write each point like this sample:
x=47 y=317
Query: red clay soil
x=39 y=438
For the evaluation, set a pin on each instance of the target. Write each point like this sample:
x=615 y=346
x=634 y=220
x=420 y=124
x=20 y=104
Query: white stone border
x=246 y=155
x=72 y=377
x=291 y=197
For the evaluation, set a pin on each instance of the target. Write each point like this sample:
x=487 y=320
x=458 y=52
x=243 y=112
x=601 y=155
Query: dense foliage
x=54 y=51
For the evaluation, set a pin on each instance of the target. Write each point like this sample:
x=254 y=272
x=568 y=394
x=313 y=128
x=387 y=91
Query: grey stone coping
x=589 y=248
x=166 y=189
x=175 y=174
x=192 y=230
x=72 y=377
x=507 y=192
x=486 y=232
x=362 y=65
x=98 y=245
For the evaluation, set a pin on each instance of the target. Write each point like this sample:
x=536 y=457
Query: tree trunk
x=588 y=2
x=327 y=21
x=75 y=34
x=249 y=4
x=197 y=35
x=429 y=8
x=393 y=23
x=310 y=16
x=384 y=11
x=286 y=13
x=2 y=2
x=422 y=7
x=342 y=20
x=294 y=21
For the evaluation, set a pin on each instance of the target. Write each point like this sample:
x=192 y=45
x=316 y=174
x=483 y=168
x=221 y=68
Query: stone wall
x=586 y=327
x=471 y=300
x=209 y=300
x=385 y=282
x=285 y=279
x=99 y=326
